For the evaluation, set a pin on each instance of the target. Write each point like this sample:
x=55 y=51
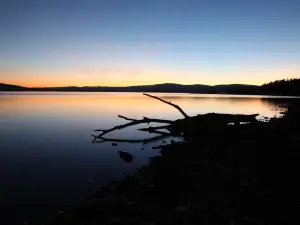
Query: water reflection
x=104 y=105
x=46 y=153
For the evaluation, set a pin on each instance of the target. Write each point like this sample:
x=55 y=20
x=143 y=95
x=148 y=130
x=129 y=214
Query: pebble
x=90 y=180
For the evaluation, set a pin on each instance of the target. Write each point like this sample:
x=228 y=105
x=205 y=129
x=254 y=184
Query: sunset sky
x=135 y=42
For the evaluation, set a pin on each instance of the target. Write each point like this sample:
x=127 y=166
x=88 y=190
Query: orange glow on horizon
x=34 y=84
x=146 y=76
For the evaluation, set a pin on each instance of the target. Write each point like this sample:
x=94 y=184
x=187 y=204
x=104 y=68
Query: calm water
x=46 y=154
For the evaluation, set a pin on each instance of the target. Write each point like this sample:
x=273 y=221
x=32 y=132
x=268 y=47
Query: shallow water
x=46 y=151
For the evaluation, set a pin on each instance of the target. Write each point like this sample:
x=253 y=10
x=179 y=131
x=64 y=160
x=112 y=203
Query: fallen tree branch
x=189 y=126
x=169 y=103
x=149 y=129
x=146 y=140
x=229 y=118
x=126 y=118
x=153 y=131
x=132 y=123
x=147 y=120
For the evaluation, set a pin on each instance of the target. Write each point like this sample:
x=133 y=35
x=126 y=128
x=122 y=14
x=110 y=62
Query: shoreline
x=264 y=96
x=235 y=175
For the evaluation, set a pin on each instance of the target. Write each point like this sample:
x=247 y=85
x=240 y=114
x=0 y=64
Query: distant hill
x=8 y=87
x=283 y=87
x=167 y=87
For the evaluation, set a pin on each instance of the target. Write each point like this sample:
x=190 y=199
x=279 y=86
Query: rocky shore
x=239 y=174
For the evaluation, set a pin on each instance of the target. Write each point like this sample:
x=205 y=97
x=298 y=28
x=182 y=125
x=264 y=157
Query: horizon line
x=80 y=86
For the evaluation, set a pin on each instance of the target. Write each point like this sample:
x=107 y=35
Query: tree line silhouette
x=282 y=87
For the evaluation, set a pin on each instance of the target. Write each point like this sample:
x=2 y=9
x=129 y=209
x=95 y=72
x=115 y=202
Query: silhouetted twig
x=152 y=129
x=169 y=103
x=132 y=123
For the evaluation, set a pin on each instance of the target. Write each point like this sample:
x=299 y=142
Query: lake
x=46 y=151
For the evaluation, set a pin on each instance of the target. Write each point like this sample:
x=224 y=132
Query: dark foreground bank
x=244 y=174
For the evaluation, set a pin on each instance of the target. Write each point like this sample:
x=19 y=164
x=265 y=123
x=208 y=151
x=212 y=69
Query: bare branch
x=132 y=123
x=156 y=128
x=148 y=120
x=146 y=140
x=117 y=127
x=126 y=118
x=169 y=103
x=154 y=131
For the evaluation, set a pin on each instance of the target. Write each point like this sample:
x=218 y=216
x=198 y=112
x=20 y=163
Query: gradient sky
x=131 y=42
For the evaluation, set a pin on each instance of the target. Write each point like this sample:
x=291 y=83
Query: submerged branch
x=146 y=140
x=169 y=103
x=151 y=129
x=154 y=131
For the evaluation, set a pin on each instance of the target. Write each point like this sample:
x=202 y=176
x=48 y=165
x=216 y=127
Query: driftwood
x=169 y=103
x=175 y=128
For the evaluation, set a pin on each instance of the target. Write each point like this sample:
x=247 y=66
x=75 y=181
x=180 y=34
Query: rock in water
x=127 y=157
